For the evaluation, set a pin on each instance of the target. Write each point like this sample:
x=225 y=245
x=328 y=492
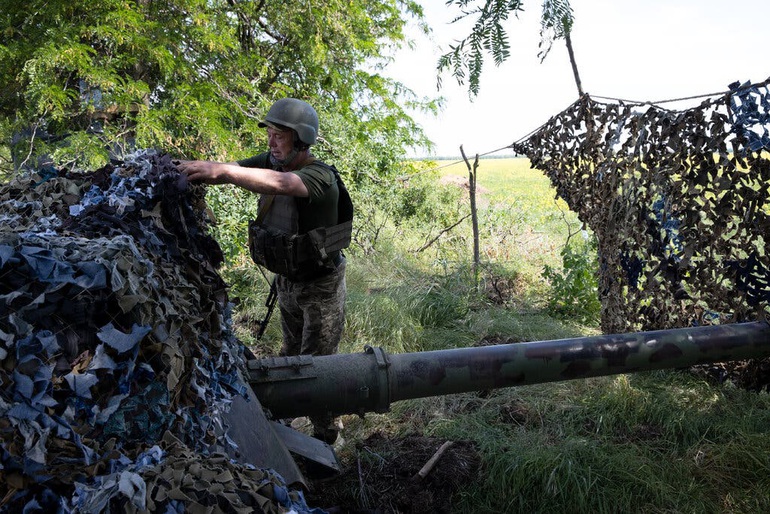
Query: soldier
x=303 y=223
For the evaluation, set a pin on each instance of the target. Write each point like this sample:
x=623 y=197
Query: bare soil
x=382 y=477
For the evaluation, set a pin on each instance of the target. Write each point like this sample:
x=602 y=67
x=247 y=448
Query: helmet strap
x=287 y=160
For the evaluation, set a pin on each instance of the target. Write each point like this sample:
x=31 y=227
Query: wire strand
x=512 y=146
x=684 y=98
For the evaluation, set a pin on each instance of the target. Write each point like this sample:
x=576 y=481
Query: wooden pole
x=472 y=172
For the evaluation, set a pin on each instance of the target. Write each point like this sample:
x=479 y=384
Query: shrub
x=574 y=289
x=232 y=209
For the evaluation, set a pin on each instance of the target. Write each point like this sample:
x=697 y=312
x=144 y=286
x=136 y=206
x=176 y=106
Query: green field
x=513 y=181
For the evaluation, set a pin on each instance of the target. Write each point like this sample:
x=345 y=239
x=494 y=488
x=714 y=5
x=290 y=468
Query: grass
x=653 y=442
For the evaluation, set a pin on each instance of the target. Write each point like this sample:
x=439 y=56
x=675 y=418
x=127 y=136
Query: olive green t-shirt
x=320 y=208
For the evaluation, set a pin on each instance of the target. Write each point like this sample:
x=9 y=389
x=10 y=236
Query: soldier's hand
x=204 y=171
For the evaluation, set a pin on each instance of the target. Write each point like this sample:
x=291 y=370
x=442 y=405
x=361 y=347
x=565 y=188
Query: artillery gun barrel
x=370 y=381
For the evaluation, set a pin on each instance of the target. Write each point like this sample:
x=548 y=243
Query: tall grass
x=657 y=442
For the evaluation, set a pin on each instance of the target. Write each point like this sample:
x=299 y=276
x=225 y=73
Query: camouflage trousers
x=312 y=313
x=312 y=320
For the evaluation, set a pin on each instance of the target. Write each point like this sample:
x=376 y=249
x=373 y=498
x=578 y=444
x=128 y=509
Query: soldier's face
x=280 y=142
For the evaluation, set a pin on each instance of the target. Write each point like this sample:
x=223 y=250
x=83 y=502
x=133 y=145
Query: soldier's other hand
x=204 y=171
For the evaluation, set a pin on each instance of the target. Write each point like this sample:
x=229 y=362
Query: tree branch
x=444 y=231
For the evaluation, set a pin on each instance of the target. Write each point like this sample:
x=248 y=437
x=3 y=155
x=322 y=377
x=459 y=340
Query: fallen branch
x=432 y=462
x=444 y=231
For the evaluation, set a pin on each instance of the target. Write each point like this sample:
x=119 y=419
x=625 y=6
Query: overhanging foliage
x=83 y=80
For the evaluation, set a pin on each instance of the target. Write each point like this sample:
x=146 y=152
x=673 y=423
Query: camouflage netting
x=679 y=202
x=116 y=356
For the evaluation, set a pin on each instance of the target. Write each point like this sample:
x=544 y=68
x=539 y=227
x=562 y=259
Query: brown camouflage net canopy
x=679 y=202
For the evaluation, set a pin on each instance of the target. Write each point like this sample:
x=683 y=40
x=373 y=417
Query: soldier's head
x=296 y=115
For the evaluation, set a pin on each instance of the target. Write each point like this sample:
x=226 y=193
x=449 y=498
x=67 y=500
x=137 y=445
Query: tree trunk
x=574 y=64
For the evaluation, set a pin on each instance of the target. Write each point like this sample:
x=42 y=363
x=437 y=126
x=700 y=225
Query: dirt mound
x=463 y=183
x=382 y=476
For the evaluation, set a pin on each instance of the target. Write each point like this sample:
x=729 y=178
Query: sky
x=644 y=50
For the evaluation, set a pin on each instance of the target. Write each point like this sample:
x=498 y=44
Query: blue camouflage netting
x=750 y=107
x=117 y=360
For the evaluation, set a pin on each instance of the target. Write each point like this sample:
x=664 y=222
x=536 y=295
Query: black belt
x=329 y=268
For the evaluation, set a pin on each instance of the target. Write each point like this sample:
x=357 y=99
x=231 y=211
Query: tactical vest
x=274 y=241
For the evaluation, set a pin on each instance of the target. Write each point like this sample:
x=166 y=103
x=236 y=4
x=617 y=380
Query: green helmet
x=294 y=114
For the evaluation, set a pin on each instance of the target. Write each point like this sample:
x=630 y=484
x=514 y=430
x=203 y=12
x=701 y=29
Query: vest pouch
x=296 y=257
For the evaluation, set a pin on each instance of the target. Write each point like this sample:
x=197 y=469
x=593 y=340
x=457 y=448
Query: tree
x=466 y=59
x=80 y=80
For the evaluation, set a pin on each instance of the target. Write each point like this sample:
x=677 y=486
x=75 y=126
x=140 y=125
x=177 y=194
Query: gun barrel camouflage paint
x=370 y=381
